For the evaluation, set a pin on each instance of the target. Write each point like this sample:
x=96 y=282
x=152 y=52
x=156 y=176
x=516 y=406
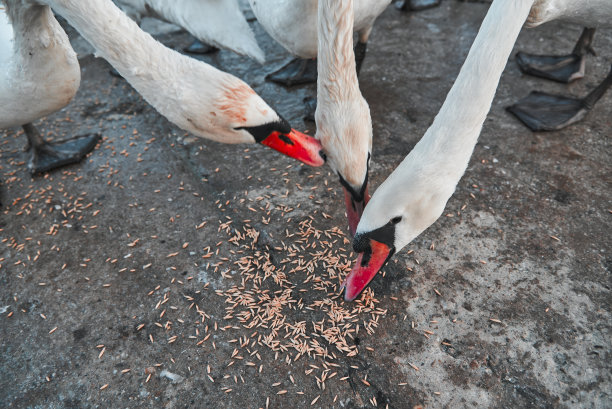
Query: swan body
x=414 y=196
x=590 y=13
x=39 y=70
x=6 y=36
x=344 y=125
x=195 y=96
x=216 y=22
x=293 y=23
x=39 y=74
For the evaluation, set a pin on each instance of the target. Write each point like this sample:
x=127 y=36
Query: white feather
x=6 y=37
x=39 y=70
x=216 y=22
x=293 y=23
x=42 y=73
x=344 y=125
x=419 y=188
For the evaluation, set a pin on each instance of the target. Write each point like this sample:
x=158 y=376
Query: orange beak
x=367 y=265
x=354 y=208
x=297 y=145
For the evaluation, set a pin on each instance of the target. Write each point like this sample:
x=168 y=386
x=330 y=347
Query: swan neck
x=453 y=134
x=337 y=76
x=114 y=35
x=181 y=88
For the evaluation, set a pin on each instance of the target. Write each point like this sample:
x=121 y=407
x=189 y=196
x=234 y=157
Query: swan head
x=345 y=131
x=279 y=135
x=401 y=208
x=243 y=116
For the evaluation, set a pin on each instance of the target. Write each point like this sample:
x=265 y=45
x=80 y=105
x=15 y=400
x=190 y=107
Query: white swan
x=344 y=125
x=39 y=74
x=219 y=23
x=293 y=23
x=34 y=47
x=195 y=96
x=415 y=194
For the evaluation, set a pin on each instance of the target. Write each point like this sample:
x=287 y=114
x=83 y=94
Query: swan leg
x=545 y=112
x=46 y=156
x=311 y=108
x=560 y=68
x=297 y=71
x=360 y=48
x=198 y=47
x=416 y=5
x=360 y=53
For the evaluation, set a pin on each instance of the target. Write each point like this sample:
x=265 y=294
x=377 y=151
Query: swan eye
x=396 y=220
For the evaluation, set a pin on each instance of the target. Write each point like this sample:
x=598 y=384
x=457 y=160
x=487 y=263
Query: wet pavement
x=166 y=271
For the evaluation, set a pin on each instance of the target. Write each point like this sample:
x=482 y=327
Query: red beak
x=354 y=209
x=297 y=145
x=361 y=275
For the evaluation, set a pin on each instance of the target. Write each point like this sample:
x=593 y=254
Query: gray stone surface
x=503 y=303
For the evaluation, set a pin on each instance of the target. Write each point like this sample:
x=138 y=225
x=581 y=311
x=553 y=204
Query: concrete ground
x=168 y=272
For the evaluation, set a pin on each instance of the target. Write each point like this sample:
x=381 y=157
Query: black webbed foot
x=60 y=154
x=545 y=112
x=560 y=68
x=198 y=47
x=416 y=5
x=297 y=71
x=47 y=156
x=566 y=68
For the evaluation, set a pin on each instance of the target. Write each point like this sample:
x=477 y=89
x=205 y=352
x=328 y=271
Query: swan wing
x=6 y=36
x=215 y=22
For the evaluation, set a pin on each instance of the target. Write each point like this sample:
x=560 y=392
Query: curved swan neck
x=337 y=76
x=192 y=94
x=423 y=183
x=114 y=35
x=344 y=125
x=451 y=138
x=150 y=67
